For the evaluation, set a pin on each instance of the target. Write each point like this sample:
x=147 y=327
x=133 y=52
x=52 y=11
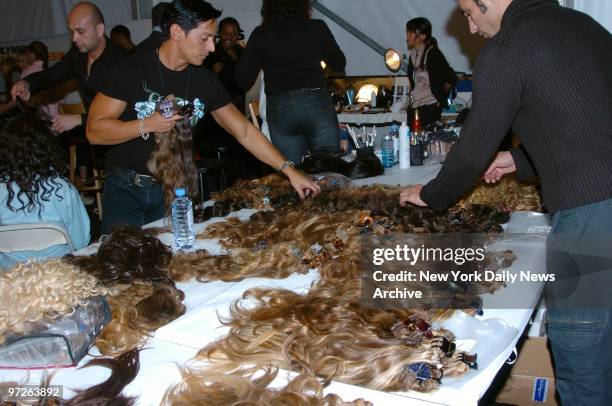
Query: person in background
x=121 y=36
x=88 y=61
x=227 y=53
x=431 y=77
x=289 y=46
x=545 y=73
x=155 y=39
x=34 y=187
x=124 y=114
x=34 y=58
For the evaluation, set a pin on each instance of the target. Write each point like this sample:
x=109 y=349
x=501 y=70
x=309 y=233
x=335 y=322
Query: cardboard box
x=531 y=380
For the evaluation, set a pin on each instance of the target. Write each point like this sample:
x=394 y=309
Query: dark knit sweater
x=547 y=75
x=290 y=53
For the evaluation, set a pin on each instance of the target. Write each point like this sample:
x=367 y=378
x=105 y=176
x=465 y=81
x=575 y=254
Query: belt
x=132 y=177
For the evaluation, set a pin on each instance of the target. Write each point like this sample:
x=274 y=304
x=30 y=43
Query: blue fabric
x=579 y=253
x=301 y=121
x=125 y=203
x=64 y=208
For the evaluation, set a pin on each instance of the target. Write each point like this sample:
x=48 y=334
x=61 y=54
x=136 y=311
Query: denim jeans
x=303 y=121
x=579 y=317
x=125 y=203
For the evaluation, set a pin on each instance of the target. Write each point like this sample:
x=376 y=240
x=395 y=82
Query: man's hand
x=21 y=89
x=501 y=165
x=304 y=186
x=412 y=194
x=66 y=122
x=156 y=123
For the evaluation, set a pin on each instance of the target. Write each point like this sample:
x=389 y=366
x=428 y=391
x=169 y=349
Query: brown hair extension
x=128 y=254
x=229 y=389
x=508 y=194
x=124 y=369
x=37 y=290
x=320 y=333
x=138 y=311
x=172 y=162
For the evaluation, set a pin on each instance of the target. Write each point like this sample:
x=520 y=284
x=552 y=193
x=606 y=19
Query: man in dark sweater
x=547 y=74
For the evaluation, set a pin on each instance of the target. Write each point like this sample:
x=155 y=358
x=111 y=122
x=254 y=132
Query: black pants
x=428 y=114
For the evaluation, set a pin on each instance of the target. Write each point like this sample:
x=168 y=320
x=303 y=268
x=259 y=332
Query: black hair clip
x=168 y=108
x=470 y=360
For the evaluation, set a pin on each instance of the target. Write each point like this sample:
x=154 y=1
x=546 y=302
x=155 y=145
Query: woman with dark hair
x=227 y=53
x=289 y=47
x=431 y=77
x=34 y=187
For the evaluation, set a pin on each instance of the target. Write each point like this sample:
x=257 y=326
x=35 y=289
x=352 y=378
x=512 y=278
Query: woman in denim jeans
x=289 y=47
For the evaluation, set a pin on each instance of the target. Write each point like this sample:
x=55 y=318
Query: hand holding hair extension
x=507 y=195
x=172 y=162
x=128 y=254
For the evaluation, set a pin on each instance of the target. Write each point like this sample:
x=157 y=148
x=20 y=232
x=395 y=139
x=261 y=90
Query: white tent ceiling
x=384 y=20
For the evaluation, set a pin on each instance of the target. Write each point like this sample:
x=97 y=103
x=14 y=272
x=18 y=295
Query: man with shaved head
x=88 y=61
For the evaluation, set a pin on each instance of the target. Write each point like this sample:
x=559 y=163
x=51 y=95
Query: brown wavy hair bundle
x=126 y=255
x=172 y=162
x=229 y=389
x=137 y=312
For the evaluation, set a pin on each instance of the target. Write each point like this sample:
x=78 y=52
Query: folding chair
x=33 y=237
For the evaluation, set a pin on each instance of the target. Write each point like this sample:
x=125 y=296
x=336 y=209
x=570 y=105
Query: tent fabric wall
x=384 y=21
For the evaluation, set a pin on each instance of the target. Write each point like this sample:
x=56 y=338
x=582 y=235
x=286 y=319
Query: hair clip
x=470 y=360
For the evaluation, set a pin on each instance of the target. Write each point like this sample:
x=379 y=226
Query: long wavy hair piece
x=172 y=162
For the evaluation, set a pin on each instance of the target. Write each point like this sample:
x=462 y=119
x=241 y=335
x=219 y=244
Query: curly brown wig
x=31 y=160
x=281 y=10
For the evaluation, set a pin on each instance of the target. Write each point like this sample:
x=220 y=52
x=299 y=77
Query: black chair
x=216 y=169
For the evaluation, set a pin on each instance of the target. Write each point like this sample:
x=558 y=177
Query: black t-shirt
x=141 y=80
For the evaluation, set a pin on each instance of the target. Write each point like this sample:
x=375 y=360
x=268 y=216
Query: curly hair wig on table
x=30 y=159
x=37 y=290
x=172 y=162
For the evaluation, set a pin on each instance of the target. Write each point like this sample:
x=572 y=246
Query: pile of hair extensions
x=328 y=333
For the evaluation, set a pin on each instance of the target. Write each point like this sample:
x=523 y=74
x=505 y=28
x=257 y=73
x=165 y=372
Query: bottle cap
x=179 y=192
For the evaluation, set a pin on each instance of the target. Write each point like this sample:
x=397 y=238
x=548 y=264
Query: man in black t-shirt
x=124 y=113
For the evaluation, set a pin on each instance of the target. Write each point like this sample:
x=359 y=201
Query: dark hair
x=188 y=14
x=157 y=12
x=31 y=160
x=229 y=21
x=421 y=25
x=121 y=29
x=279 y=10
x=40 y=51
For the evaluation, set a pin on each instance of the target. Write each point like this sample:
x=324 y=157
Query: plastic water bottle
x=404 y=138
x=396 y=143
x=387 y=151
x=182 y=220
